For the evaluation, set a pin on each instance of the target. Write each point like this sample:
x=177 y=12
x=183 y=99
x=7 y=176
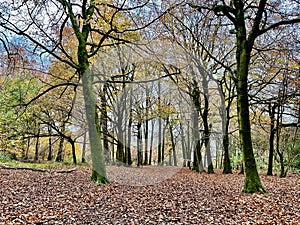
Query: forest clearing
x=31 y=197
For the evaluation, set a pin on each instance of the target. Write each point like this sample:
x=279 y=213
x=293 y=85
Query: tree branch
x=275 y=25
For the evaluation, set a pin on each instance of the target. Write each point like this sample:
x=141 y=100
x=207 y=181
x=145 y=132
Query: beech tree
x=250 y=22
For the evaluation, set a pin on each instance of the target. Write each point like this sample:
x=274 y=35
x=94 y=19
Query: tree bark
x=104 y=123
x=129 y=130
x=272 y=110
x=49 y=158
x=252 y=182
x=97 y=155
x=173 y=144
x=59 y=156
x=83 y=148
x=225 y=114
x=159 y=157
x=37 y=144
x=146 y=122
x=183 y=145
x=207 y=127
x=72 y=142
x=163 y=141
x=195 y=95
x=120 y=155
x=139 y=143
x=197 y=162
x=151 y=141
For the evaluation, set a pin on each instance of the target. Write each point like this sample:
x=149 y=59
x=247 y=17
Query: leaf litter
x=152 y=195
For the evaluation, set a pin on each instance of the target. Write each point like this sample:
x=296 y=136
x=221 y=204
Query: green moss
x=253 y=186
x=98 y=178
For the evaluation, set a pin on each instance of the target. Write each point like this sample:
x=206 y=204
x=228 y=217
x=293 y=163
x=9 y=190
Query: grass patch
x=40 y=165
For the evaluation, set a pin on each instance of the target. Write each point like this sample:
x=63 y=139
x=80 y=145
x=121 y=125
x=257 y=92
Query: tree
x=250 y=21
x=226 y=85
x=15 y=123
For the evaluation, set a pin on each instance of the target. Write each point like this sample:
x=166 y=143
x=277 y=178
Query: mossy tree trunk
x=86 y=75
x=97 y=156
x=252 y=182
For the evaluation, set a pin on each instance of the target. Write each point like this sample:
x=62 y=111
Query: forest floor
x=156 y=195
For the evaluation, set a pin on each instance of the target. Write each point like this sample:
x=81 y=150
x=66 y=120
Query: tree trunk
x=183 y=146
x=139 y=144
x=163 y=142
x=128 y=147
x=278 y=131
x=173 y=144
x=188 y=146
x=195 y=95
x=210 y=169
x=159 y=155
x=146 y=122
x=49 y=158
x=225 y=114
x=120 y=135
x=129 y=130
x=227 y=165
x=207 y=127
x=37 y=144
x=244 y=47
x=59 y=156
x=72 y=143
x=146 y=159
x=97 y=155
x=197 y=163
x=83 y=148
x=104 y=123
x=120 y=149
x=252 y=181
x=272 y=110
x=151 y=141
x=27 y=148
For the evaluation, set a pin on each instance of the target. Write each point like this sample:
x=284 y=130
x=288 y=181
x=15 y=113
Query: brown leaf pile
x=30 y=197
